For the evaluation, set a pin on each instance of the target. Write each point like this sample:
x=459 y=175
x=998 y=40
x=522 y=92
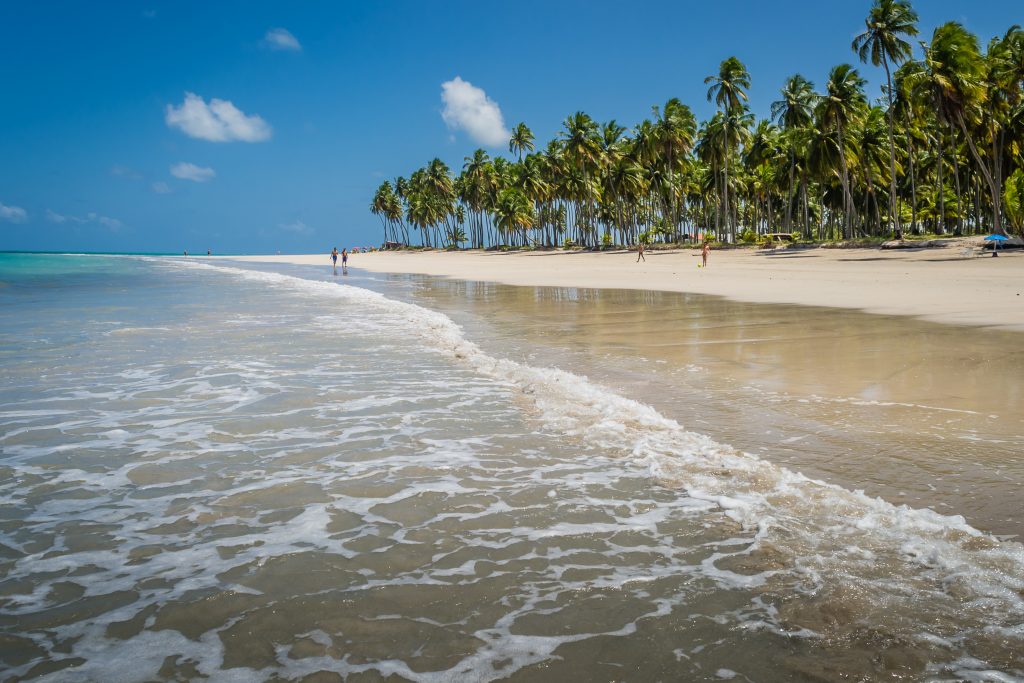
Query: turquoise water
x=215 y=472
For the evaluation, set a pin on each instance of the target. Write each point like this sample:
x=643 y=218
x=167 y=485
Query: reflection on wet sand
x=919 y=413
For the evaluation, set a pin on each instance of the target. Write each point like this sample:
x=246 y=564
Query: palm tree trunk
x=789 y=193
x=893 y=214
x=725 y=196
x=959 y=230
x=997 y=200
x=807 y=208
x=847 y=197
x=940 y=226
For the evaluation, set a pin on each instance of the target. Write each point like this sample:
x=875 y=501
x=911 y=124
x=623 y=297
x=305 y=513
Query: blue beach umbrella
x=995 y=239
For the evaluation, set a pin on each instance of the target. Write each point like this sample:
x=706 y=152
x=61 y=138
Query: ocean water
x=232 y=473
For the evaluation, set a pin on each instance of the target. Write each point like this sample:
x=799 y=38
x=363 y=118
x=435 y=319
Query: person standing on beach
x=344 y=260
x=640 y=252
x=704 y=253
x=334 y=257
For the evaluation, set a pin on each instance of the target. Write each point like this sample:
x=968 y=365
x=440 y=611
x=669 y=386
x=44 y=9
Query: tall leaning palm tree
x=729 y=91
x=955 y=69
x=882 y=42
x=521 y=140
x=793 y=112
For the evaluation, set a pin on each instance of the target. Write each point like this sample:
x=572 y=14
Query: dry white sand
x=941 y=285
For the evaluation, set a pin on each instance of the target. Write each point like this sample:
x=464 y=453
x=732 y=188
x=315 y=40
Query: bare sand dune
x=945 y=285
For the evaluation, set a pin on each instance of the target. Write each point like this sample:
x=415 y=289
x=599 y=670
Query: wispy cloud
x=13 y=214
x=187 y=171
x=468 y=108
x=297 y=227
x=120 y=171
x=91 y=217
x=160 y=187
x=218 y=121
x=281 y=39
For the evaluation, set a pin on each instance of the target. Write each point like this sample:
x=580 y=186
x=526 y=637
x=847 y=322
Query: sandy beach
x=947 y=285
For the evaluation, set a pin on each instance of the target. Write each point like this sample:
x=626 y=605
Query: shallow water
x=216 y=472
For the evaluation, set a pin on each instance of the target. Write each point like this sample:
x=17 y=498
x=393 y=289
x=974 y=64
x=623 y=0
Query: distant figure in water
x=209 y=253
x=344 y=261
x=334 y=258
x=640 y=252
x=704 y=253
x=186 y=252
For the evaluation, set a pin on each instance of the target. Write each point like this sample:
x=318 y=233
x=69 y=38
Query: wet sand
x=949 y=285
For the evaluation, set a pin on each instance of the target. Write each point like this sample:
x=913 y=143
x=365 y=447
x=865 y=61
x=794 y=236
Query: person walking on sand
x=344 y=261
x=334 y=257
x=640 y=252
x=704 y=253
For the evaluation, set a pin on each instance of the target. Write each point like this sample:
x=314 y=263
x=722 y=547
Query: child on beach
x=704 y=253
x=640 y=252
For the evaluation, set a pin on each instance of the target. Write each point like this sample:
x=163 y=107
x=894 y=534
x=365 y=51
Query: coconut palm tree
x=882 y=42
x=728 y=89
x=674 y=131
x=522 y=139
x=794 y=111
x=956 y=73
x=582 y=148
x=842 y=102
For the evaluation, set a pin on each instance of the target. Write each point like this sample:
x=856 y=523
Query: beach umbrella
x=996 y=239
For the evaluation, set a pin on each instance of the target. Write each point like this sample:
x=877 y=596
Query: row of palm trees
x=942 y=151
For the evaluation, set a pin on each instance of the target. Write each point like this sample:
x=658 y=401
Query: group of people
x=705 y=250
x=344 y=260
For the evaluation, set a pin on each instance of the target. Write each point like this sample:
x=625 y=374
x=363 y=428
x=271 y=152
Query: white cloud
x=297 y=227
x=187 y=171
x=14 y=214
x=281 y=39
x=218 y=121
x=91 y=217
x=106 y=221
x=125 y=172
x=467 y=107
x=160 y=187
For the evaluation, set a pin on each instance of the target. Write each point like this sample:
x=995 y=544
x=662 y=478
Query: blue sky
x=100 y=151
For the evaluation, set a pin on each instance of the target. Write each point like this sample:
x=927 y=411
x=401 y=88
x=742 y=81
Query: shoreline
x=942 y=285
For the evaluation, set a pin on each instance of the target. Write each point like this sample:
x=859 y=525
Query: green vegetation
x=941 y=152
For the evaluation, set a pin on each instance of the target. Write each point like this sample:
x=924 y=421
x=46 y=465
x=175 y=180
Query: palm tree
x=382 y=200
x=729 y=87
x=514 y=211
x=582 y=148
x=843 y=99
x=955 y=69
x=882 y=42
x=522 y=139
x=729 y=91
x=793 y=112
x=954 y=120
x=1005 y=113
